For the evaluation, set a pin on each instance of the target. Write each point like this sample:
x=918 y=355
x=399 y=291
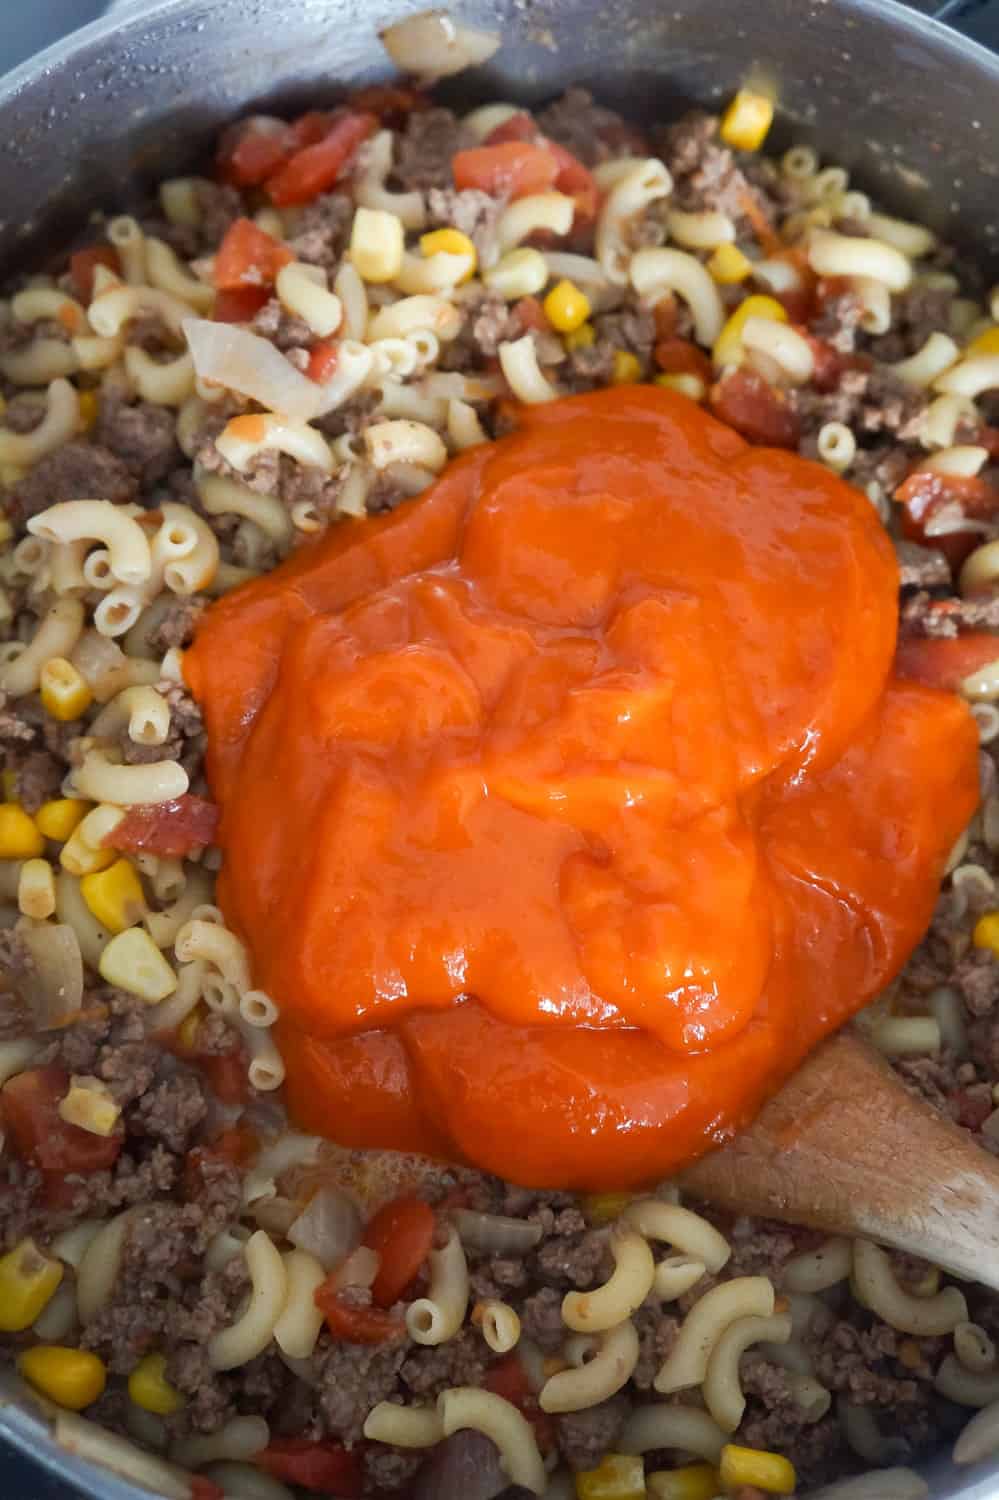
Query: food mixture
x=715 y=432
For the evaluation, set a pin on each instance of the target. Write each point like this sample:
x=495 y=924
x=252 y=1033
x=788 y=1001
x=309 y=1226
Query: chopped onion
x=431 y=45
x=276 y=1215
x=53 y=985
x=329 y=1227
x=495 y=1233
x=359 y=1269
x=244 y=362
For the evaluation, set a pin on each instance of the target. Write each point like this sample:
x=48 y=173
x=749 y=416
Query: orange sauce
x=566 y=807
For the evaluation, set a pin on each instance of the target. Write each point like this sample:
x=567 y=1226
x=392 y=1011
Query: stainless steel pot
x=908 y=106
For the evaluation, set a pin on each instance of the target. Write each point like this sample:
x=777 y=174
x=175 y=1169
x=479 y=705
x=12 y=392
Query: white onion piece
x=329 y=1227
x=53 y=987
x=431 y=45
x=244 y=362
x=359 y=1269
x=494 y=1233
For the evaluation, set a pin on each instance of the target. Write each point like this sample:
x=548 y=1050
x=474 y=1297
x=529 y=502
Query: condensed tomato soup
x=567 y=806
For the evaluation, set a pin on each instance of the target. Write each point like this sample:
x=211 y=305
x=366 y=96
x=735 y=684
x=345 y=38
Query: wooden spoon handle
x=844 y=1147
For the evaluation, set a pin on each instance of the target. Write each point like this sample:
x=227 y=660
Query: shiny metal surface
x=909 y=106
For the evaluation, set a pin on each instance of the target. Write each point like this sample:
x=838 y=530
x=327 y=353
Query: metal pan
x=907 y=105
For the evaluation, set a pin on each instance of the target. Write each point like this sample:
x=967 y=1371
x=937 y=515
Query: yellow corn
x=619 y=1476
x=764 y=1471
x=89 y=1105
x=600 y=1208
x=728 y=345
x=8 y=781
x=73 y=1378
x=133 y=962
x=728 y=265
x=36 y=890
x=19 y=838
x=114 y=896
x=746 y=121
x=691 y=386
x=450 y=242
x=692 y=1482
x=88 y=410
x=57 y=819
x=985 y=934
x=64 y=693
x=581 y=337
x=28 y=1279
x=150 y=1389
x=626 y=370
x=566 y=307
x=376 y=244
x=187 y=1032
x=986 y=343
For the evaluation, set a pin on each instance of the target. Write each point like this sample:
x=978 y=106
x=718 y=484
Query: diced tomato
x=323 y=360
x=507 y=1378
x=971 y=1110
x=512 y=169
x=532 y=315
x=226 y=1074
x=402 y=1232
x=519 y=127
x=393 y=103
x=945 y=662
x=253 y=150
x=59 y=1190
x=762 y=414
x=248 y=256
x=356 y=1324
x=205 y=1489
x=577 y=182
x=313 y=1465
x=30 y=1106
x=169 y=829
x=924 y=494
x=310 y=128
x=665 y=315
x=240 y=305
x=239 y=1145
x=317 y=168
x=83 y=264
x=681 y=357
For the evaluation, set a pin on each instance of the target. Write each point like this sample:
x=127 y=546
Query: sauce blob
x=565 y=808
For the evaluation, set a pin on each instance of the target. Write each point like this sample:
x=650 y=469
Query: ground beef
x=76 y=471
x=425 y=148
x=463 y=1360
x=14 y=727
x=591 y=132
x=24 y=411
x=351 y=1379
x=706 y=175
x=39 y=778
x=471 y=212
x=283 y=330
x=171 y=1110
x=921 y=567
x=838 y=321
x=947 y=618
x=574 y=1256
x=387 y=1469
x=541 y=1319
x=657 y=1331
x=176 y=628
x=143 y=436
x=977 y=977
x=323 y=229
x=585 y=1436
x=916 y=313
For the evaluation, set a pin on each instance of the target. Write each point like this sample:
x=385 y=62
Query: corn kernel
x=133 y=962
x=764 y=1471
x=450 y=242
x=692 y=1482
x=64 y=692
x=187 y=1032
x=376 y=244
x=73 y=1378
x=519 y=273
x=150 y=1389
x=985 y=934
x=618 y=1476
x=566 y=307
x=582 y=337
x=114 y=896
x=8 y=780
x=36 y=890
x=985 y=343
x=88 y=410
x=90 y=1105
x=728 y=344
x=600 y=1208
x=728 y=265
x=28 y=1280
x=691 y=386
x=57 y=819
x=19 y=838
x=626 y=370
x=746 y=121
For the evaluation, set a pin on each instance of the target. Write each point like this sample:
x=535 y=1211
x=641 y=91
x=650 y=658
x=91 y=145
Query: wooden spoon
x=846 y=1148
